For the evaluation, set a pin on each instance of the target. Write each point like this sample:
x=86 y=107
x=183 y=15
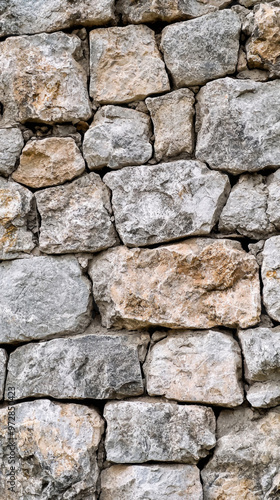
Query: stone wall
x=140 y=250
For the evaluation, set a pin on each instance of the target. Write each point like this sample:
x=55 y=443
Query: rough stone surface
x=153 y=204
x=42 y=297
x=246 y=459
x=56 y=447
x=49 y=162
x=196 y=367
x=15 y=207
x=198 y=283
x=3 y=365
x=156 y=482
x=270 y=277
x=42 y=79
x=261 y=350
x=172 y=116
x=117 y=137
x=11 y=144
x=140 y=431
x=138 y=70
x=76 y=217
x=237 y=125
x=202 y=49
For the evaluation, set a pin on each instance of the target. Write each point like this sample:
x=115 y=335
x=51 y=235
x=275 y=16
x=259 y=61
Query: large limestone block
x=11 y=144
x=237 y=125
x=76 y=217
x=157 y=203
x=20 y=17
x=196 y=367
x=137 y=71
x=156 y=482
x=3 y=367
x=246 y=459
x=270 y=277
x=49 y=162
x=199 y=283
x=172 y=116
x=117 y=137
x=202 y=49
x=261 y=351
x=42 y=79
x=148 y=430
x=55 y=451
x=15 y=207
x=42 y=297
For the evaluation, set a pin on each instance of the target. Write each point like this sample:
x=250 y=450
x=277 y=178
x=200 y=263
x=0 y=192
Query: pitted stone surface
x=3 y=366
x=270 y=277
x=157 y=203
x=141 y=431
x=11 y=144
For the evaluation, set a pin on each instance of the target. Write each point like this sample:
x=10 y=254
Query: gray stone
x=42 y=297
x=202 y=49
x=196 y=367
x=76 y=217
x=156 y=482
x=55 y=451
x=148 y=430
x=270 y=277
x=117 y=137
x=11 y=144
x=237 y=125
x=153 y=204
x=273 y=201
x=246 y=459
x=172 y=116
x=3 y=367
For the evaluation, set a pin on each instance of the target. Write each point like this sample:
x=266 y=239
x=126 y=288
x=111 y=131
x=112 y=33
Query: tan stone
x=49 y=162
x=199 y=283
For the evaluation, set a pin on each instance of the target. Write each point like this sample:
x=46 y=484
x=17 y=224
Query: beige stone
x=199 y=283
x=49 y=162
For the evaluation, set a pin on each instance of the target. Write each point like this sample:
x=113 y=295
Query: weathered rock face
x=49 y=162
x=11 y=144
x=117 y=137
x=199 y=283
x=270 y=277
x=261 y=350
x=246 y=460
x=76 y=217
x=3 y=366
x=202 y=49
x=55 y=451
x=197 y=367
x=153 y=204
x=140 y=431
x=42 y=79
x=42 y=297
x=237 y=125
x=15 y=206
x=138 y=70
x=172 y=116
x=156 y=482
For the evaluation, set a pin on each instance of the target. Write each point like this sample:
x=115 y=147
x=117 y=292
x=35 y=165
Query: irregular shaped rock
x=101 y=365
x=246 y=459
x=42 y=297
x=202 y=49
x=237 y=125
x=196 y=367
x=3 y=367
x=15 y=207
x=42 y=79
x=11 y=144
x=261 y=351
x=117 y=137
x=199 y=283
x=157 y=203
x=172 y=116
x=156 y=482
x=143 y=430
x=49 y=162
x=55 y=451
x=75 y=217
x=138 y=70
x=270 y=277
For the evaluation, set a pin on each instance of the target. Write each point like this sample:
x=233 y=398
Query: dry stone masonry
x=139 y=250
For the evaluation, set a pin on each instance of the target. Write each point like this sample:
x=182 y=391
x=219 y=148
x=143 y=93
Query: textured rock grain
x=270 y=277
x=11 y=144
x=3 y=367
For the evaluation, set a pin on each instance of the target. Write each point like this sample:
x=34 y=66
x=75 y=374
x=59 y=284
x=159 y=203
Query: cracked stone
x=11 y=144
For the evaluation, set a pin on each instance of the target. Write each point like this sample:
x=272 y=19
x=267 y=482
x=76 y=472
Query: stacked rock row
x=139 y=230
